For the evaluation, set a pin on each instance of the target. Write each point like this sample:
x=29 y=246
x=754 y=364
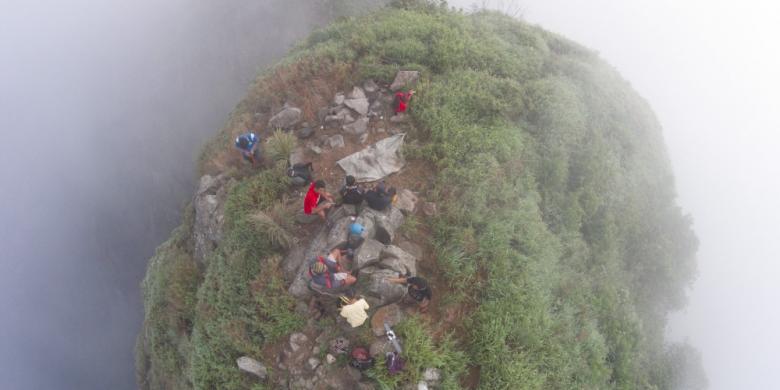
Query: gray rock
x=397 y=260
x=379 y=348
x=314 y=148
x=406 y=201
x=356 y=93
x=330 y=359
x=370 y=86
x=297 y=156
x=405 y=78
x=339 y=346
x=337 y=234
x=359 y=105
x=305 y=132
x=322 y=113
x=357 y=127
x=313 y=363
x=363 y=138
x=368 y=253
x=385 y=291
x=387 y=224
x=297 y=340
x=285 y=119
x=209 y=214
x=422 y=385
x=432 y=376
x=252 y=366
x=411 y=248
x=429 y=209
x=292 y=262
x=338 y=99
x=390 y=315
x=336 y=141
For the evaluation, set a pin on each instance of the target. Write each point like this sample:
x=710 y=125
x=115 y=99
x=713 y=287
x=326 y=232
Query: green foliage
x=280 y=145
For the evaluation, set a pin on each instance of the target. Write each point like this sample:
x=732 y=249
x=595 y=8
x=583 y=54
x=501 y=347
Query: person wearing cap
x=317 y=200
x=247 y=145
x=418 y=290
x=378 y=198
x=328 y=271
x=354 y=309
x=351 y=193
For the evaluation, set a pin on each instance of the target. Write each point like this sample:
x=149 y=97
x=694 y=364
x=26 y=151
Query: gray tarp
x=376 y=161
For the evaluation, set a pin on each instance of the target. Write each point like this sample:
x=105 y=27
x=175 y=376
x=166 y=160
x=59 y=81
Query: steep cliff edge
x=549 y=231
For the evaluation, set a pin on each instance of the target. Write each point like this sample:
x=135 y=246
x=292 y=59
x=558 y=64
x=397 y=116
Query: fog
x=103 y=107
x=710 y=69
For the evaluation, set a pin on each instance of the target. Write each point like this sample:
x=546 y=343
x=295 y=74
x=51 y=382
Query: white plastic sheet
x=376 y=161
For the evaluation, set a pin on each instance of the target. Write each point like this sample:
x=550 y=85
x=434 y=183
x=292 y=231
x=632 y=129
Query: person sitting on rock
x=247 y=145
x=419 y=292
x=378 y=198
x=354 y=309
x=402 y=100
x=351 y=193
x=327 y=272
x=317 y=200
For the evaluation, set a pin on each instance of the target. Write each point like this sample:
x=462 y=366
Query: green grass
x=557 y=221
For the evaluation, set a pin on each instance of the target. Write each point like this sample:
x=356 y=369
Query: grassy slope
x=558 y=224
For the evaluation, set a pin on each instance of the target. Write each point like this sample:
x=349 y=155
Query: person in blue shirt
x=247 y=145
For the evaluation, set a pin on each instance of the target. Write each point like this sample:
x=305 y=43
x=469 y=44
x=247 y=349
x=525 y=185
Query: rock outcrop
x=286 y=119
x=209 y=214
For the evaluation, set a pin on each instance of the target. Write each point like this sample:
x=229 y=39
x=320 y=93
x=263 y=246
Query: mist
x=103 y=108
x=709 y=69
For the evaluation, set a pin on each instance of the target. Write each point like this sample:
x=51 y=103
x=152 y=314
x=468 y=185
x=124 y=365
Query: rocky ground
x=316 y=357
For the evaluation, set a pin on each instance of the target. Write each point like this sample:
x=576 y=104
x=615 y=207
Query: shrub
x=280 y=145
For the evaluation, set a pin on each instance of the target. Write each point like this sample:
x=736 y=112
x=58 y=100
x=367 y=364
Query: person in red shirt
x=402 y=99
x=317 y=200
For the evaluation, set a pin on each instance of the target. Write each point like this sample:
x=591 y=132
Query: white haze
x=711 y=71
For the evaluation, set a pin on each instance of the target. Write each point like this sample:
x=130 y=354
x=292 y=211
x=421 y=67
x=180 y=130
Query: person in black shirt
x=418 y=290
x=351 y=193
x=378 y=199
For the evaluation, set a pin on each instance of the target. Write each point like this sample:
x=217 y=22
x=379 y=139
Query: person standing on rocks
x=247 y=145
x=402 y=100
x=419 y=291
x=317 y=200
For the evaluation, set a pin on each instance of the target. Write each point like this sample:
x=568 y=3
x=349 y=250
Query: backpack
x=300 y=170
x=394 y=363
x=361 y=359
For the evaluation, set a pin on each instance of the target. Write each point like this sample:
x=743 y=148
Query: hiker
x=402 y=99
x=247 y=145
x=351 y=193
x=354 y=309
x=355 y=237
x=378 y=198
x=328 y=271
x=300 y=173
x=317 y=200
x=418 y=290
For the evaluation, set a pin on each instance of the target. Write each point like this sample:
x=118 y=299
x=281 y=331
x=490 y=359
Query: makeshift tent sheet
x=376 y=161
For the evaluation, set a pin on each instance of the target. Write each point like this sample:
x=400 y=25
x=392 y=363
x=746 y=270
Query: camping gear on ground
x=394 y=363
x=376 y=161
x=392 y=338
x=361 y=359
x=300 y=174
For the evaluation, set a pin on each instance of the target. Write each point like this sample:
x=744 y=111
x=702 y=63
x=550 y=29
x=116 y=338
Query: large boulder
x=406 y=201
x=209 y=214
x=387 y=223
x=357 y=127
x=405 y=79
x=292 y=262
x=368 y=254
x=252 y=366
x=285 y=119
x=390 y=315
x=357 y=101
x=398 y=260
x=385 y=292
x=337 y=234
